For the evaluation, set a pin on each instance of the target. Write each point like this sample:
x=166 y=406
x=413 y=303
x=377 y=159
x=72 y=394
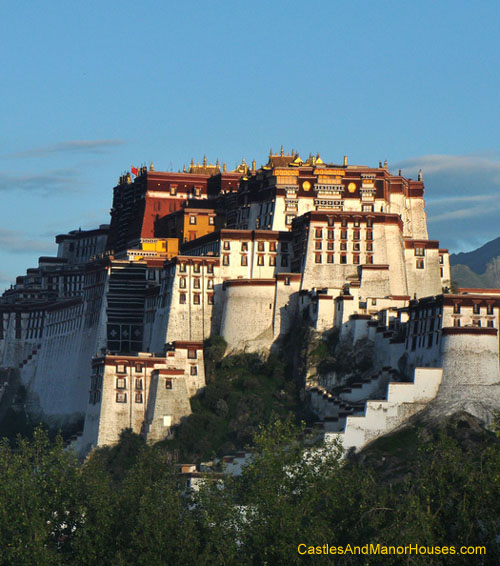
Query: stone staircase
x=356 y=422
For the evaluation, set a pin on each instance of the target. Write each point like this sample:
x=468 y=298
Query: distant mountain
x=479 y=268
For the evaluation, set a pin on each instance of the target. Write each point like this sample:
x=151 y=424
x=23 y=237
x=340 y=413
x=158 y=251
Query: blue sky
x=89 y=88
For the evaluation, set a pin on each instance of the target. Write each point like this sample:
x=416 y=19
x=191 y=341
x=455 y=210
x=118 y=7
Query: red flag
x=134 y=170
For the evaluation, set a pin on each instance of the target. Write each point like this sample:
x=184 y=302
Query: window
x=139 y=368
x=121 y=383
x=476 y=309
x=121 y=397
x=355 y=235
x=456 y=308
x=196 y=267
x=210 y=299
x=173 y=190
x=244 y=246
x=368 y=208
x=192 y=220
x=196 y=283
x=343 y=246
x=289 y=219
x=343 y=259
x=355 y=259
x=260 y=260
x=329 y=258
x=420 y=264
x=489 y=309
x=490 y=324
x=120 y=368
x=441 y=259
x=210 y=268
x=138 y=397
x=369 y=235
x=355 y=247
x=260 y=246
x=344 y=222
x=476 y=323
x=182 y=268
x=287 y=280
x=225 y=259
x=429 y=340
x=319 y=233
x=244 y=260
x=317 y=258
x=194 y=370
x=192 y=354
x=330 y=246
x=272 y=246
x=210 y=284
x=182 y=282
x=420 y=252
x=343 y=234
x=330 y=222
x=151 y=274
x=272 y=260
x=138 y=384
x=441 y=272
x=374 y=302
x=182 y=298
x=168 y=384
x=369 y=247
x=196 y=299
x=284 y=246
x=317 y=244
x=284 y=260
x=226 y=245
x=369 y=259
x=331 y=234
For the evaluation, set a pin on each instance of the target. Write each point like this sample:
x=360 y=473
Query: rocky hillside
x=479 y=268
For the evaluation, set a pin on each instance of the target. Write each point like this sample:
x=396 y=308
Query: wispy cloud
x=462 y=194
x=74 y=146
x=15 y=242
x=48 y=182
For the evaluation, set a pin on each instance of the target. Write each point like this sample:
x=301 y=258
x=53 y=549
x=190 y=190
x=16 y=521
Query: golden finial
x=243 y=161
x=385 y=164
x=271 y=152
x=420 y=176
x=217 y=162
x=192 y=161
x=254 y=165
x=184 y=168
x=204 y=161
x=345 y=160
x=282 y=153
x=151 y=166
x=224 y=167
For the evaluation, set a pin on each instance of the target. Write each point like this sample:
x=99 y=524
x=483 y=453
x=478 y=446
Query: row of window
x=260 y=260
x=196 y=283
x=196 y=299
x=476 y=309
x=330 y=258
x=489 y=323
x=330 y=246
x=261 y=246
x=193 y=220
x=196 y=268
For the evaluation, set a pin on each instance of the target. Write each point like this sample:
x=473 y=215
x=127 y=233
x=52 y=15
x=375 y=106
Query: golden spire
x=192 y=161
x=224 y=167
x=282 y=153
x=151 y=166
x=345 y=160
x=271 y=152
x=217 y=162
x=204 y=161
x=254 y=165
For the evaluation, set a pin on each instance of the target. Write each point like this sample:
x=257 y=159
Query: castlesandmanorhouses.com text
x=390 y=550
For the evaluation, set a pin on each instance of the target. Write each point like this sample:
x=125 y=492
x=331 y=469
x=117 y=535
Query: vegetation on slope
x=127 y=505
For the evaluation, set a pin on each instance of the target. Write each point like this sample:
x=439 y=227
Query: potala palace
x=110 y=332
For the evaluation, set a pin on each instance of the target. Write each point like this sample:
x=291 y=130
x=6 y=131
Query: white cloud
x=61 y=180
